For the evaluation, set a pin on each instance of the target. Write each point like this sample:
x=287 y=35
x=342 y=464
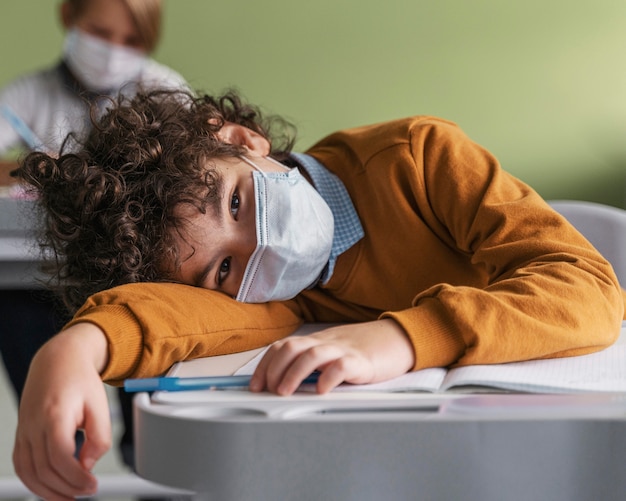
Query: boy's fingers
x=336 y=372
x=97 y=429
x=280 y=358
x=258 y=382
x=322 y=358
x=39 y=475
x=59 y=469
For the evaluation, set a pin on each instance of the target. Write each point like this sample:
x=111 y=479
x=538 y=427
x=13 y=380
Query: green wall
x=541 y=83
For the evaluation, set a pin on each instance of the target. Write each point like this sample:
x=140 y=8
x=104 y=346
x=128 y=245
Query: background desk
x=240 y=446
x=19 y=255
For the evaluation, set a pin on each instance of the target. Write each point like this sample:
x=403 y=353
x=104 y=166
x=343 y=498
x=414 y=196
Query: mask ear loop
x=253 y=165
x=258 y=169
x=273 y=160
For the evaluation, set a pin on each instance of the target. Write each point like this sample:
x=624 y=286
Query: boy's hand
x=360 y=353
x=63 y=393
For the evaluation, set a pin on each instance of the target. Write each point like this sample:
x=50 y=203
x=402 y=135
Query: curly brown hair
x=108 y=207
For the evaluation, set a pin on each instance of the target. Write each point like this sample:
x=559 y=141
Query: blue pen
x=25 y=132
x=195 y=383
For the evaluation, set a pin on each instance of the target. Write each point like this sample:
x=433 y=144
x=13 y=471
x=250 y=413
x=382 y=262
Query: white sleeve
x=158 y=75
x=44 y=103
x=11 y=95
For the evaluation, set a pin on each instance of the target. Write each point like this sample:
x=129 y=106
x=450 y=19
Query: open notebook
x=604 y=371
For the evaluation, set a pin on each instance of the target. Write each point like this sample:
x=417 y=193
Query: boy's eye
x=234 y=204
x=223 y=271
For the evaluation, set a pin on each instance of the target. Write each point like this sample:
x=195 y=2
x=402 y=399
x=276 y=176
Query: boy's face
x=109 y=20
x=215 y=247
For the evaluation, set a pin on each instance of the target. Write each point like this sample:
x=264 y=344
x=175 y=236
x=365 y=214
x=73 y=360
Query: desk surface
x=244 y=446
x=6 y=166
x=399 y=448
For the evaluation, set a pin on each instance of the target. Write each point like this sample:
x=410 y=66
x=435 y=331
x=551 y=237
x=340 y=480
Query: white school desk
x=229 y=445
x=19 y=258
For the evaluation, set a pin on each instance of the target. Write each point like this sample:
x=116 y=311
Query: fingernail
x=89 y=463
x=255 y=385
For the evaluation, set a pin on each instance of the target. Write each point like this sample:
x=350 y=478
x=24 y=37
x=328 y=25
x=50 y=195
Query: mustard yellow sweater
x=470 y=261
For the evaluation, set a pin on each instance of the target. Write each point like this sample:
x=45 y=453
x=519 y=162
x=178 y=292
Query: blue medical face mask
x=294 y=231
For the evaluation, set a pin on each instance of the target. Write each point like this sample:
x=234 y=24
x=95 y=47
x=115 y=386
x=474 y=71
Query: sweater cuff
x=124 y=339
x=436 y=342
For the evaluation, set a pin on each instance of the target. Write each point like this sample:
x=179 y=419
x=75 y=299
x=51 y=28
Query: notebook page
x=429 y=380
x=604 y=371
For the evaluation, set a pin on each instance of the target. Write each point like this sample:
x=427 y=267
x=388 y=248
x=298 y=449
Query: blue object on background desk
x=25 y=132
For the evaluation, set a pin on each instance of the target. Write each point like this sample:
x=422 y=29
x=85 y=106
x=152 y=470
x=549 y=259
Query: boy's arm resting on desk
x=150 y=326
x=549 y=293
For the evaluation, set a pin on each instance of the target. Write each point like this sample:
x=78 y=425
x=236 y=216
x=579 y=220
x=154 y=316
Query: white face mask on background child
x=294 y=231
x=99 y=65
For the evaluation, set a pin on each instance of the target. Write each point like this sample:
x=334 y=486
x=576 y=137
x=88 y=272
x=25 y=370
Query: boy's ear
x=67 y=15
x=242 y=136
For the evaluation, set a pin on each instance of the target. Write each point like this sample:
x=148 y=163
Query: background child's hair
x=146 y=14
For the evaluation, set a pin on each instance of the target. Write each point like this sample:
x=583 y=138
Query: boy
x=420 y=244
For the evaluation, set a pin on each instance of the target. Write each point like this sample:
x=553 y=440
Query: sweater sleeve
x=547 y=292
x=149 y=326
